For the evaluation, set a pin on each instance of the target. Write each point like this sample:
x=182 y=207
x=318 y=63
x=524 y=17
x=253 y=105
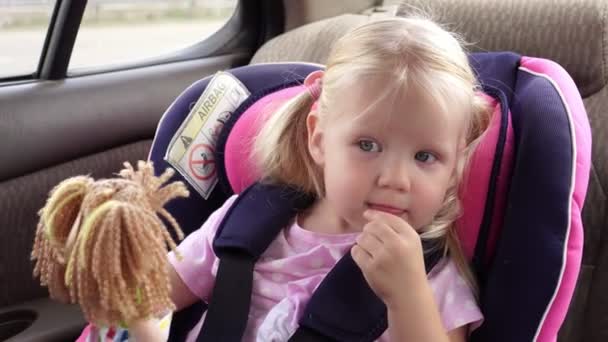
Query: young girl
x=381 y=138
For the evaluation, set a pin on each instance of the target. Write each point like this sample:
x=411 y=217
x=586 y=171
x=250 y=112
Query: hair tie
x=315 y=89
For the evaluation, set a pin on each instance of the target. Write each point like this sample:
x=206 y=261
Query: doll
x=103 y=245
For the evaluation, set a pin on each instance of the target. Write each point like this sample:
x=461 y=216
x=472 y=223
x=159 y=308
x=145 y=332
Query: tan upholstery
x=309 y=43
x=298 y=13
x=560 y=30
x=572 y=33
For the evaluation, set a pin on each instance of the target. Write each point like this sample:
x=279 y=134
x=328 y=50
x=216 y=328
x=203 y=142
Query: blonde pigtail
x=281 y=147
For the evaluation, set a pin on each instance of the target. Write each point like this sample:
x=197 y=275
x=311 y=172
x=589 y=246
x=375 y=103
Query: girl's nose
x=395 y=175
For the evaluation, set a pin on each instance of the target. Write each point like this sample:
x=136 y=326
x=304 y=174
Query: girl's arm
x=458 y=334
x=181 y=295
x=415 y=317
x=149 y=330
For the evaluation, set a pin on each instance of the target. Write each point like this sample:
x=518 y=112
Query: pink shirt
x=290 y=270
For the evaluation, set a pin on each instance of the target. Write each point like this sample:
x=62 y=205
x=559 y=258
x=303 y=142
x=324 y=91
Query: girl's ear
x=315 y=134
x=313 y=77
x=315 y=138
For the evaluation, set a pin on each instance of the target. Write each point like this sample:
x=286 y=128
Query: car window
x=112 y=32
x=23 y=28
x=117 y=32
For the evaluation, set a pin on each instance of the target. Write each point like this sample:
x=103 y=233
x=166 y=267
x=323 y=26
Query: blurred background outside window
x=112 y=32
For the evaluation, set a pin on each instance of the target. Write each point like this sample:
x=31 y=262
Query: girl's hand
x=389 y=253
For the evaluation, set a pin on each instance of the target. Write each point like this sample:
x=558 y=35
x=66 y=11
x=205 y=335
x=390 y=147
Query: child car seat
x=522 y=195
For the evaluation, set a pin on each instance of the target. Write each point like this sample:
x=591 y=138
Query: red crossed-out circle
x=201 y=162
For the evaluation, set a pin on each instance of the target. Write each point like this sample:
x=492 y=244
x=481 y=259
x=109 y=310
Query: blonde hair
x=408 y=52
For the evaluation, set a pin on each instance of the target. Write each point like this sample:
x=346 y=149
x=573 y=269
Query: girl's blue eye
x=425 y=157
x=369 y=146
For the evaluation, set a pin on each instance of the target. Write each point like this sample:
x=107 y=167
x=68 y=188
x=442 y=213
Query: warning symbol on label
x=202 y=162
x=186 y=141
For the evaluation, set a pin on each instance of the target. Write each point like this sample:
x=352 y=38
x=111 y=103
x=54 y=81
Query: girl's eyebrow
x=442 y=148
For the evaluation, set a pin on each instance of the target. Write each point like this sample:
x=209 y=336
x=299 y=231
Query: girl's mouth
x=387 y=209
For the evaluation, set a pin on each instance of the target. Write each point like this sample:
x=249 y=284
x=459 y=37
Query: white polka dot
x=278 y=277
x=449 y=297
x=279 y=263
x=265 y=290
x=336 y=254
x=316 y=262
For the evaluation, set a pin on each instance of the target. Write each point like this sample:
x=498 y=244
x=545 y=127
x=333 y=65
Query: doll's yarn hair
x=103 y=245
